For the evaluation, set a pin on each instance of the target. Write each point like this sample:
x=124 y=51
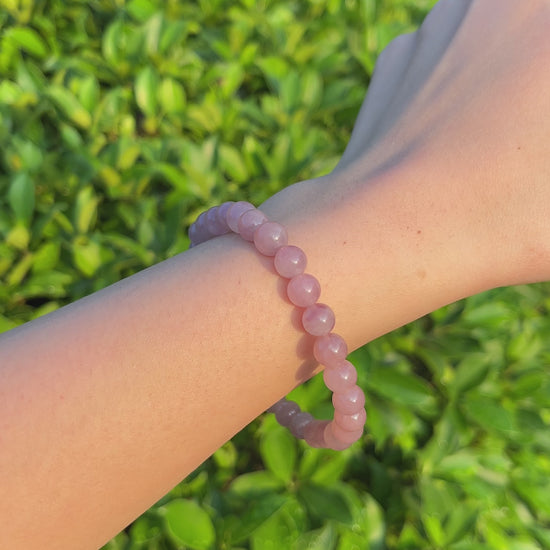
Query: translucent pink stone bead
x=341 y=377
x=222 y=213
x=347 y=437
x=284 y=411
x=351 y=422
x=298 y=423
x=314 y=433
x=330 y=349
x=249 y=222
x=303 y=290
x=290 y=261
x=331 y=442
x=318 y=319
x=269 y=237
x=201 y=232
x=350 y=401
x=234 y=213
x=213 y=223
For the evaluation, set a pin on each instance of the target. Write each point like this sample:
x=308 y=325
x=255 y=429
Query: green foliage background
x=120 y=121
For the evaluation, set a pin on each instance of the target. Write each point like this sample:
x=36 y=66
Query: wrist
x=387 y=249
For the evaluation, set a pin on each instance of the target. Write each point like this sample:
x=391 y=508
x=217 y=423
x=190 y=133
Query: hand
x=459 y=111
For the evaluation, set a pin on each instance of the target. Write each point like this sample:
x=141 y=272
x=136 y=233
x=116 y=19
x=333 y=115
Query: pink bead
x=284 y=411
x=351 y=422
x=222 y=213
x=249 y=222
x=214 y=225
x=199 y=230
x=290 y=261
x=303 y=290
x=318 y=319
x=331 y=441
x=350 y=401
x=345 y=436
x=298 y=424
x=314 y=433
x=269 y=237
x=235 y=212
x=330 y=349
x=341 y=377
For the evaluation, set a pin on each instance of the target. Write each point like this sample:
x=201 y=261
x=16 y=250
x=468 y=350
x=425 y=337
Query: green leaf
x=256 y=513
x=21 y=198
x=46 y=257
x=153 y=31
x=141 y=9
x=406 y=389
x=319 y=539
x=89 y=93
x=10 y=92
x=19 y=270
x=312 y=90
x=28 y=40
x=87 y=255
x=278 y=450
x=470 y=372
x=290 y=91
x=252 y=484
x=189 y=524
x=489 y=414
x=111 y=42
x=146 y=89
x=172 y=96
x=69 y=105
x=231 y=161
x=18 y=236
x=325 y=502
x=281 y=529
x=85 y=209
x=275 y=69
x=490 y=314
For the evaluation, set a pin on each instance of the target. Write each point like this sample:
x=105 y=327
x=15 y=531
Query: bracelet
x=303 y=290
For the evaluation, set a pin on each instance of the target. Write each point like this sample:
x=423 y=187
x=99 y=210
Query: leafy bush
x=120 y=121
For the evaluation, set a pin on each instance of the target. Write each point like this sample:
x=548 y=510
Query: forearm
x=108 y=403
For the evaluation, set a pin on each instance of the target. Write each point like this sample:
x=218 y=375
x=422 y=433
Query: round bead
x=318 y=319
x=199 y=230
x=290 y=261
x=314 y=433
x=345 y=436
x=269 y=237
x=351 y=422
x=341 y=377
x=214 y=225
x=249 y=222
x=330 y=349
x=331 y=441
x=350 y=401
x=303 y=290
x=234 y=213
x=284 y=411
x=222 y=213
x=298 y=423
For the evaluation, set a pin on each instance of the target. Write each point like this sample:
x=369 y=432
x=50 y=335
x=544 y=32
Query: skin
x=443 y=192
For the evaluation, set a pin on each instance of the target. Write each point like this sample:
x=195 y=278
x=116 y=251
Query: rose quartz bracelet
x=303 y=290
